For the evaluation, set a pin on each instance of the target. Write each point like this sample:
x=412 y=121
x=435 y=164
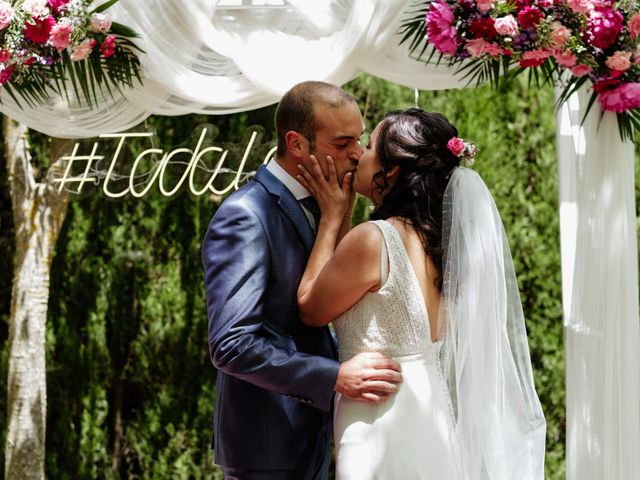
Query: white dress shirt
x=295 y=187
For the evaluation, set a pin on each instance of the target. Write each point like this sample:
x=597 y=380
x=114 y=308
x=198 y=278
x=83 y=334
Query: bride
x=429 y=281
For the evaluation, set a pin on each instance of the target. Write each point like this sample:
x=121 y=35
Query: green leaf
x=104 y=6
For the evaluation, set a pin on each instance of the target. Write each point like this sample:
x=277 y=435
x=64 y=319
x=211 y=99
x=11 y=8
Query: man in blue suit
x=276 y=376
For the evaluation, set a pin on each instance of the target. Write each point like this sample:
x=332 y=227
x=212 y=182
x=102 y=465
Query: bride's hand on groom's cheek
x=333 y=197
x=369 y=377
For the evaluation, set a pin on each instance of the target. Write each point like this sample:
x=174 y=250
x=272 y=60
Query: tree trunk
x=38 y=214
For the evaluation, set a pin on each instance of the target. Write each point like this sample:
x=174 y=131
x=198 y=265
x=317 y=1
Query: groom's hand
x=369 y=377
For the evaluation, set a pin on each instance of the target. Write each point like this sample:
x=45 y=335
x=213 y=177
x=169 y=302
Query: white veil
x=499 y=431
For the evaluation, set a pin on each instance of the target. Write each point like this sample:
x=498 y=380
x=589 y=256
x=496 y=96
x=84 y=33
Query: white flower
x=37 y=8
x=100 y=22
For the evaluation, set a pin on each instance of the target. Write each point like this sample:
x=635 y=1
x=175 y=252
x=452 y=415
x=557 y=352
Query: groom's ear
x=295 y=143
x=393 y=171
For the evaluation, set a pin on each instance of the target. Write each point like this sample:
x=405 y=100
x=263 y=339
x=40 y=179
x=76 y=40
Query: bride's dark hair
x=416 y=141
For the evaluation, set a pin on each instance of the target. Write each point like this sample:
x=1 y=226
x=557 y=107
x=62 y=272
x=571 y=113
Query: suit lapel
x=288 y=204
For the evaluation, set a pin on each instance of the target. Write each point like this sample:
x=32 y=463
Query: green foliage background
x=130 y=385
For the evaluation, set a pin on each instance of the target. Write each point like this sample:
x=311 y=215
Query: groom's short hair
x=296 y=110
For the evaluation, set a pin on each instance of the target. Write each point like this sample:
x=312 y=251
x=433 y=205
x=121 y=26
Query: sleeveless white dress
x=409 y=436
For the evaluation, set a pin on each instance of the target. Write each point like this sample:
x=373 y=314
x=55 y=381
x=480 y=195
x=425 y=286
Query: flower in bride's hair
x=456 y=145
x=462 y=149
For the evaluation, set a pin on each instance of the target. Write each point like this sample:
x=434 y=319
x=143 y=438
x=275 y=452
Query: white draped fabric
x=207 y=56
x=600 y=294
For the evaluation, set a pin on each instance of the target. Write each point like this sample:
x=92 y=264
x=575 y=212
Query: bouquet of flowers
x=594 y=40
x=45 y=42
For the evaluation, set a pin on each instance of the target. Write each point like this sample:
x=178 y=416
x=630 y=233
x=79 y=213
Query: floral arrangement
x=593 y=40
x=462 y=149
x=45 y=42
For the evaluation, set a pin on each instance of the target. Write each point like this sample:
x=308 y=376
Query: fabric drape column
x=600 y=294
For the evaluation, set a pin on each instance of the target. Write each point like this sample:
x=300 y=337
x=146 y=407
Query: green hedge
x=127 y=331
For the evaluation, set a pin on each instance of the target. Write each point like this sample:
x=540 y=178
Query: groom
x=276 y=376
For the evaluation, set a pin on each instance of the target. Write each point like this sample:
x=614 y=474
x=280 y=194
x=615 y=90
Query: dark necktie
x=311 y=204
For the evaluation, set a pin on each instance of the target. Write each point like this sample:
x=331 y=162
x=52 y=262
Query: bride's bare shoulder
x=364 y=239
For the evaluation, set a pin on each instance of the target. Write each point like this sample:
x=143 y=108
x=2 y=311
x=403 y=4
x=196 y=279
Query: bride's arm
x=336 y=282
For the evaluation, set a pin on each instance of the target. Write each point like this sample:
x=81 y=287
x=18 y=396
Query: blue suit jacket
x=276 y=376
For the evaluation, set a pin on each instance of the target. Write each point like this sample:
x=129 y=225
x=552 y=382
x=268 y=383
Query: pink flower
x=60 y=35
x=634 y=25
x=622 y=98
x=58 y=6
x=604 y=27
x=5 y=56
x=6 y=15
x=530 y=17
x=506 y=25
x=545 y=3
x=581 y=70
x=6 y=75
x=108 y=47
x=484 y=5
x=83 y=50
x=559 y=35
x=440 y=29
x=565 y=59
x=580 y=6
x=534 y=58
x=40 y=30
x=100 y=22
x=456 y=145
x=620 y=61
x=479 y=46
x=36 y=8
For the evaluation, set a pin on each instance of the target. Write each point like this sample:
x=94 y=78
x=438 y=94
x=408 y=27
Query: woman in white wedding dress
x=430 y=282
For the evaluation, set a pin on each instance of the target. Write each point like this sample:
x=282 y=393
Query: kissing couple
x=430 y=376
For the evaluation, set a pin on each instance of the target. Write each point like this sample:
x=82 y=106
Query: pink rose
x=581 y=70
x=440 y=30
x=484 y=5
x=6 y=15
x=565 y=59
x=6 y=75
x=620 y=61
x=506 y=25
x=456 y=145
x=60 y=35
x=534 y=58
x=622 y=98
x=108 y=47
x=100 y=22
x=5 y=56
x=634 y=25
x=559 y=35
x=581 y=6
x=83 y=50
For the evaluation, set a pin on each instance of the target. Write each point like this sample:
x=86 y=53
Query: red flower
x=529 y=17
x=604 y=27
x=606 y=84
x=523 y=3
x=40 y=30
x=483 y=28
x=58 y=6
x=108 y=47
x=5 y=56
x=6 y=75
x=534 y=58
